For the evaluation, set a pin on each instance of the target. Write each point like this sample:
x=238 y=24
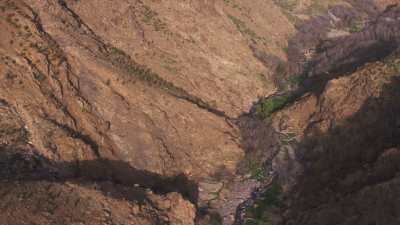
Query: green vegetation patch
x=271 y=199
x=271 y=105
x=257 y=171
x=254 y=165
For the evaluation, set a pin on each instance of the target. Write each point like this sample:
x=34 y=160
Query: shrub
x=257 y=171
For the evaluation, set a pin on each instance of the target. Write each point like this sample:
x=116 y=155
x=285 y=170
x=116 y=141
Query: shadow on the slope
x=116 y=178
x=342 y=56
x=346 y=159
x=343 y=66
x=331 y=58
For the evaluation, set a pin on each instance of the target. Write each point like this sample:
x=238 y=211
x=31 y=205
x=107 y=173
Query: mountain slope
x=141 y=111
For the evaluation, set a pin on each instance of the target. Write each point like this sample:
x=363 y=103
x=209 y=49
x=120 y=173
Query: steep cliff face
x=137 y=111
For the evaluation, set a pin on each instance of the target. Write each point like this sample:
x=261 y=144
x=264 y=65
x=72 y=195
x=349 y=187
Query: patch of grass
x=271 y=105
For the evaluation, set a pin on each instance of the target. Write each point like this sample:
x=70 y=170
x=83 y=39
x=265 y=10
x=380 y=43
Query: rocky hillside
x=159 y=112
x=339 y=131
